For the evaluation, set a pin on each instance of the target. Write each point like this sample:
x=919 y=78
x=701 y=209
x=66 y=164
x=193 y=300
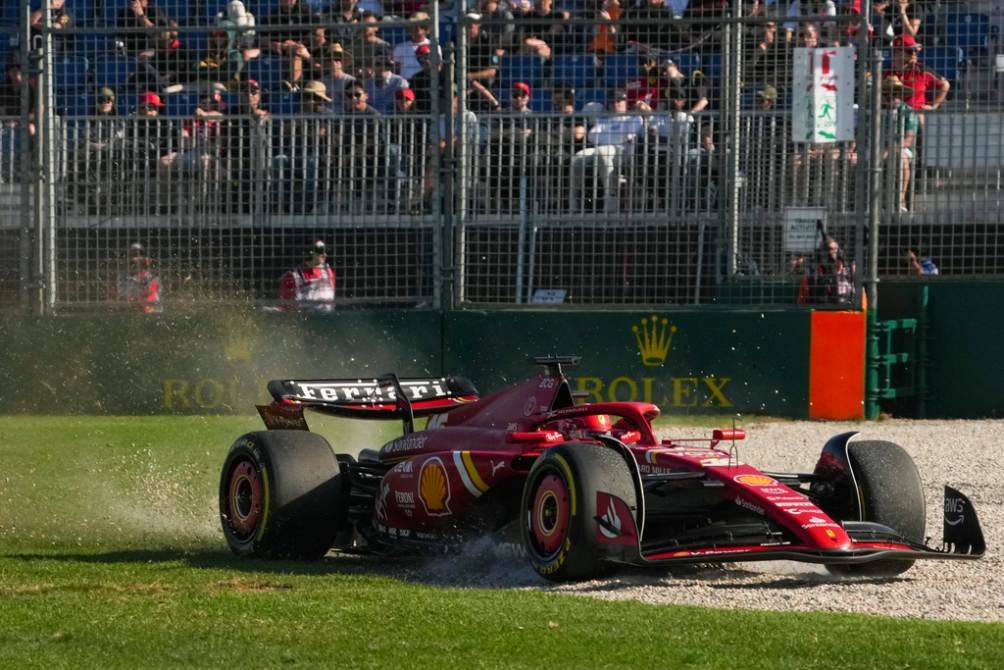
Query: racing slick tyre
x=282 y=495
x=891 y=494
x=558 y=513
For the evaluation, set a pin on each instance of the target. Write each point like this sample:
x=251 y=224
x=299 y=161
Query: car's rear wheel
x=282 y=495
x=892 y=494
x=558 y=520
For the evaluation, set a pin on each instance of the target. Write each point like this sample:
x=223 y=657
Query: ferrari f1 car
x=589 y=486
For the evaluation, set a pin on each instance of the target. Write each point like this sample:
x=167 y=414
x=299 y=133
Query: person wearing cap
x=929 y=90
x=383 y=85
x=431 y=74
x=612 y=139
x=338 y=76
x=314 y=98
x=768 y=98
x=310 y=287
x=510 y=145
x=899 y=132
x=405 y=53
x=95 y=168
x=138 y=286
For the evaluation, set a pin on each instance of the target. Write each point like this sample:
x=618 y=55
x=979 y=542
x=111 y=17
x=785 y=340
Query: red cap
x=521 y=86
x=151 y=98
x=423 y=50
x=405 y=94
x=905 y=42
x=251 y=83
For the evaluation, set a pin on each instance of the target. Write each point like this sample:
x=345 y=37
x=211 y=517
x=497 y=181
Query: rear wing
x=386 y=397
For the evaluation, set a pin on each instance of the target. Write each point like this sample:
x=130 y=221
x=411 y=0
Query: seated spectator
x=605 y=36
x=361 y=149
x=404 y=151
x=238 y=24
x=404 y=53
x=920 y=265
x=160 y=48
x=201 y=135
x=533 y=36
x=344 y=13
x=292 y=42
x=152 y=141
x=901 y=124
x=368 y=48
x=310 y=287
x=138 y=286
x=510 y=145
x=560 y=138
x=929 y=90
x=59 y=18
x=97 y=167
x=769 y=59
x=319 y=47
x=11 y=98
x=338 y=77
x=422 y=83
x=767 y=97
x=831 y=281
x=464 y=133
x=645 y=92
x=693 y=88
x=313 y=96
x=244 y=144
x=650 y=23
x=381 y=87
x=612 y=139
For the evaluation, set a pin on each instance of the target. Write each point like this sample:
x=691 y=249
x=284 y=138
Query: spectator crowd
x=331 y=103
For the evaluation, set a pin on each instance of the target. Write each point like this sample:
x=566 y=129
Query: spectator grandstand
x=694 y=199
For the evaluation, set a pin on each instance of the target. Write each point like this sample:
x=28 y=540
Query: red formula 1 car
x=589 y=486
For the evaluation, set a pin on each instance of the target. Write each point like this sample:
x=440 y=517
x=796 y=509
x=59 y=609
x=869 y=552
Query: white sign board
x=548 y=296
x=823 y=95
x=801 y=228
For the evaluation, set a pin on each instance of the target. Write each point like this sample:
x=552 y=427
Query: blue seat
x=967 y=31
x=584 y=96
x=84 y=12
x=687 y=61
x=944 y=61
x=95 y=44
x=619 y=69
x=69 y=72
x=181 y=104
x=113 y=71
x=711 y=64
x=268 y=71
x=529 y=69
x=577 y=71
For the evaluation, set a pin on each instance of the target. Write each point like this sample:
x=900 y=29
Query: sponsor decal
x=368 y=391
x=955 y=511
x=708 y=391
x=745 y=504
x=407 y=443
x=611 y=526
x=434 y=487
x=201 y=393
x=403 y=468
x=469 y=474
x=381 y=503
x=496 y=467
x=831 y=534
x=530 y=406
x=755 y=480
x=547 y=383
x=404 y=498
x=719 y=462
x=654 y=338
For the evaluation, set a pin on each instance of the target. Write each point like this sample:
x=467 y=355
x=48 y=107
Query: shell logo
x=434 y=487
x=755 y=480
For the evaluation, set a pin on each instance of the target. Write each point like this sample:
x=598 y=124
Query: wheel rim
x=244 y=499
x=549 y=515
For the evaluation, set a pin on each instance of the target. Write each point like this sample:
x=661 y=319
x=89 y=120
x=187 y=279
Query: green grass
x=111 y=556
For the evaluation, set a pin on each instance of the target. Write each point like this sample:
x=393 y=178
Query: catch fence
x=679 y=197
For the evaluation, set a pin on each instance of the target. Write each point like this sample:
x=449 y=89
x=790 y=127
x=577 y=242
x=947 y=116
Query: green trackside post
x=871 y=278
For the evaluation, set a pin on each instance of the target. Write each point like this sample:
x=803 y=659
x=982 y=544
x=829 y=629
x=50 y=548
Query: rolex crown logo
x=237 y=348
x=654 y=337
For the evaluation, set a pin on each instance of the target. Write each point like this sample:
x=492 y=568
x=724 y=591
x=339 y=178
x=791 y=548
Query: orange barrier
x=837 y=365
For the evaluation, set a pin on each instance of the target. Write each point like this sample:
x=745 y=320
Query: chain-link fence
x=588 y=153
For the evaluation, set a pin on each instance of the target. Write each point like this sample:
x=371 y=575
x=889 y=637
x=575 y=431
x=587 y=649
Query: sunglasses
x=358 y=94
x=105 y=101
x=252 y=91
x=519 y=94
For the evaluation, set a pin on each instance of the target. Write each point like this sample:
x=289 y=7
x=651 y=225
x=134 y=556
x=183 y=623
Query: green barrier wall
x=965 y=331
x=203 y=363
x=715 y=362
x=686 y=362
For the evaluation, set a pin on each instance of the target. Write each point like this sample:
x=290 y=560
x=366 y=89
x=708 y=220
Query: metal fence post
x=732 y=57
x=27 y=169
